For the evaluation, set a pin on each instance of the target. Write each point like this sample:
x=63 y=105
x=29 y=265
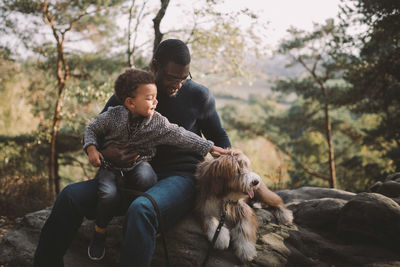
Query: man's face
x=171 y=77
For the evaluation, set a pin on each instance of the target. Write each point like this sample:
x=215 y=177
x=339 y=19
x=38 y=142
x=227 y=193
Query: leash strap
x=160 y=223
x=133 y=192
x=216 y=234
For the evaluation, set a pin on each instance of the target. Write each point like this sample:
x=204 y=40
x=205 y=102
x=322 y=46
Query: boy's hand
x=94 y=156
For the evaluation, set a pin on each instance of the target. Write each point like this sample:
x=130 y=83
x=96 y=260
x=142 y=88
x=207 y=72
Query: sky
x=299 y=13
x=280 y=14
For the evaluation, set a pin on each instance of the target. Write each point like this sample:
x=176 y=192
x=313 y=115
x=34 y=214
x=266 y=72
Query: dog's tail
x=283 y=214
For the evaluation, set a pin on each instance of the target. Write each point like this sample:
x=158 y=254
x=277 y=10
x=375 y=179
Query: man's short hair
x=128 y=82
x=172 y=50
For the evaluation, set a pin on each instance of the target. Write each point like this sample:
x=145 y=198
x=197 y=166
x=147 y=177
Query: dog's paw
x=284 y=215
x=223 y=239
x=211 y=225
x=245 y=251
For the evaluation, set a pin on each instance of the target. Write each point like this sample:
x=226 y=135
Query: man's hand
x=94 y=155
x=121 y=156
x=217 y=151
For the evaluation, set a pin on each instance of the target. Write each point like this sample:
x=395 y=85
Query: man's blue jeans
x=174 y=195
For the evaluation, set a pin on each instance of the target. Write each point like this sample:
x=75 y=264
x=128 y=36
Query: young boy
x=137 y=124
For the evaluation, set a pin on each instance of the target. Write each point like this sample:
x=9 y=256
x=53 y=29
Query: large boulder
x=317 y=213
x=187 y=245
x=327 y=222
x=373 y=217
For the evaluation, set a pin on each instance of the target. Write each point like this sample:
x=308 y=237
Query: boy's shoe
x=96 y=249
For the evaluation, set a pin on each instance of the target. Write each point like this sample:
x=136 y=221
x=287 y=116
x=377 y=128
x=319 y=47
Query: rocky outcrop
x=390 y=187
x=331 y=228
x=371 y=216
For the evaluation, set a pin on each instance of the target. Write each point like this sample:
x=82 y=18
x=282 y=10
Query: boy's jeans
x=174 y=195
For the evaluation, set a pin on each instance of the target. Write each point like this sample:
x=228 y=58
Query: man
x=183 y=102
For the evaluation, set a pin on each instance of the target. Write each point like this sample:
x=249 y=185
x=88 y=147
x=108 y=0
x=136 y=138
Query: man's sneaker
x=96 y=249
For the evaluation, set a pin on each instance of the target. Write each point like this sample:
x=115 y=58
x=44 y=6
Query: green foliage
x=297 y=133
x=90 y=85
x=283 y=134
x=244 y=125
x=22 y=169
x=15 y=114
x=221 y=46
x=297 y=128
x=317 y=53
x=375 y=76
x=25 y=147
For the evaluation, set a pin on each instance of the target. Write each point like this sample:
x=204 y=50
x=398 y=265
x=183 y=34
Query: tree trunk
x=62 y=77
x=157 y=21
x=62 y=74
x=332 y=170
x=130 y=48
x=54 y=181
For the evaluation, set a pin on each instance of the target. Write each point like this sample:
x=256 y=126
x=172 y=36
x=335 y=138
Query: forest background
x=323 y=109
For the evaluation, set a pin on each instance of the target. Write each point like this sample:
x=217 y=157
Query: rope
x=216 y=234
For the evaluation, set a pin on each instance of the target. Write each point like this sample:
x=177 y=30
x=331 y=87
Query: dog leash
x=160 y=222
x=216 y=234
x=133 y=192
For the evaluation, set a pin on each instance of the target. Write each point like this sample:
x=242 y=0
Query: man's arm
x=112 y=102
x=210 y=124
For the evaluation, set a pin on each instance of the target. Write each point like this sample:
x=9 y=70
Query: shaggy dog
x=227 y=183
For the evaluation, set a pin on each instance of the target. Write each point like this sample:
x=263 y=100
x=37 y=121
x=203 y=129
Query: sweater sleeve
x=97 y=129
x=172 y=134
x=210 y=123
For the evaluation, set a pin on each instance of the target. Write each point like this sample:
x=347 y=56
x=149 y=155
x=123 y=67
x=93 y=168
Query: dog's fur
x=227 y=181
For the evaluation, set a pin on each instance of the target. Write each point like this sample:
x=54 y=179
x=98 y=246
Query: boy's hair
x=128 y=82
x=172 y=50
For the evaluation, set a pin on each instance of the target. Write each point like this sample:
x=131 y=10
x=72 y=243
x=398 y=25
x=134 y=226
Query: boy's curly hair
x=128 y=82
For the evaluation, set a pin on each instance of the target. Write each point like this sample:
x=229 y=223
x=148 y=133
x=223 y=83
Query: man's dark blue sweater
x=194 y=109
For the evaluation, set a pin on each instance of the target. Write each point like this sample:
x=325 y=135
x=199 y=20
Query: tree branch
x=157 y=21
x=314 y=75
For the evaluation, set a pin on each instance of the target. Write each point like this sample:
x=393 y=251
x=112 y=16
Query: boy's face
x=171 y=77
x=145 y=101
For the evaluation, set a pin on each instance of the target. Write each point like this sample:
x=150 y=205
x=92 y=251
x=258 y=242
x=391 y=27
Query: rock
x=308 y=193
x=317 y=213
x=325 y=221
x=373 y=217
x=389 y=188
x=393 y=177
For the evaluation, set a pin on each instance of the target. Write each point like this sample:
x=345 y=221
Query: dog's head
x=227 y=174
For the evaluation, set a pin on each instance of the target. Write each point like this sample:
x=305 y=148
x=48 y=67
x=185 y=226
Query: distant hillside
x=274 y=67
x=267 y=69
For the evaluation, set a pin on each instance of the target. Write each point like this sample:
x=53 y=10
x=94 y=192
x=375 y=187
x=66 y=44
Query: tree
x=158 y=35
x=62 y=18
x=316 y=52
x=225 y=49
x=220 y=45
x=62 y=77
x=362 y=95
x=138 y=14
x=375 y=75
